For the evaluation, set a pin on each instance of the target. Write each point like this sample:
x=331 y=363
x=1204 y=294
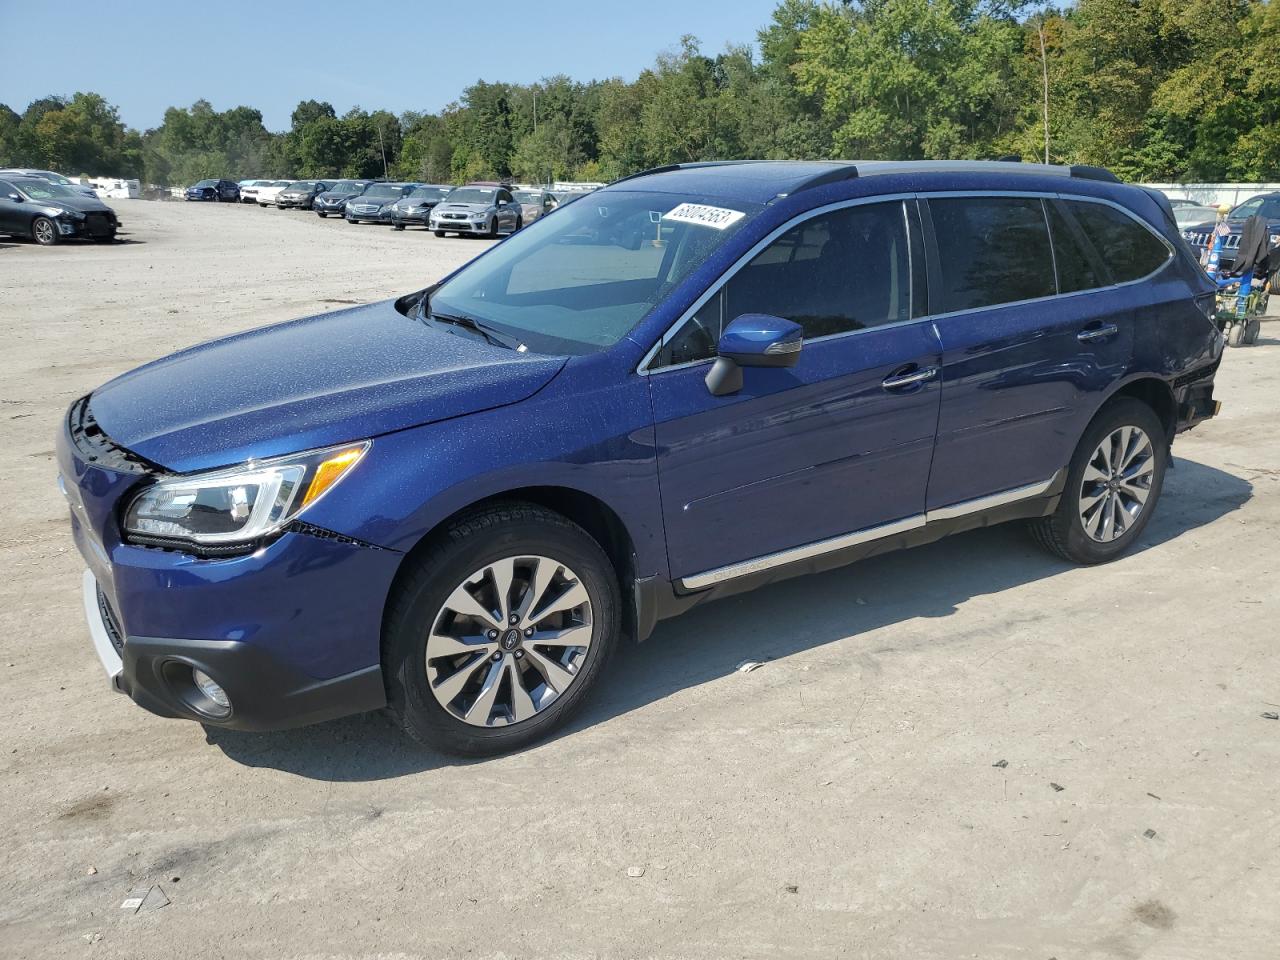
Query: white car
x=249 y=189
x=268 y=190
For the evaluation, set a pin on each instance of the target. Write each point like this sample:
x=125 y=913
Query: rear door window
x=991 y=250
x=1130 y=249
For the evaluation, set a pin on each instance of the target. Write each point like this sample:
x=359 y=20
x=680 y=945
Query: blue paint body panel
x=695 y=481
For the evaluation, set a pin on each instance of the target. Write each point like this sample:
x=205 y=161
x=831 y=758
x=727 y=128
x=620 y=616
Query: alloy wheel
x=509 y=641
x=1116 y=483
x=44 y=230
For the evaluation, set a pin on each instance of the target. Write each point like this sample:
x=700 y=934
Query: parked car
x=268 y=192
x=52 y=177
x=374 y=205
x=416 y=206
x=487 y=211
x=48 y=212
x=334 y=200
x=1188 y=212
x=301 y=194
x=459 y=517
x=249 y=189
x=534 y=203
x=218 y=191
x=1265 y=205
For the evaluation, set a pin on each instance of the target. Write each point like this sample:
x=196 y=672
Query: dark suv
x=1266 y=205
x=226 y=191
x=689 y=383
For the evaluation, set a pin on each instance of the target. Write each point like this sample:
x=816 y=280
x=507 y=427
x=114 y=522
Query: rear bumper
x=1194 y=396
x=265 y=692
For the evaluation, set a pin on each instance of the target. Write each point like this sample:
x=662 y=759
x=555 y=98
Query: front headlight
x=241 y=504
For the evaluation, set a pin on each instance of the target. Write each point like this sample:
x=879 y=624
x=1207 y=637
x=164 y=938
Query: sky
x=146 y=55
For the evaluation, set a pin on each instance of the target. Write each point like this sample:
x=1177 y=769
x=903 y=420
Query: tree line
x=1153 y=89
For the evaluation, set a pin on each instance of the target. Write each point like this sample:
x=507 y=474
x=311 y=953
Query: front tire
x=439 y=233
x=44 y=231
x=499 y=630
x=1113 y=485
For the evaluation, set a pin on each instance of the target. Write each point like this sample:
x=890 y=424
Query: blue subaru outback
x=697 y=380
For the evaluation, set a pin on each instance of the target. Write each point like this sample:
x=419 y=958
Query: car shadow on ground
x=708 y=642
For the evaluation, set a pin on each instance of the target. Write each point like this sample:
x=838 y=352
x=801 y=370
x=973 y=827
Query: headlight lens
x=241 y=504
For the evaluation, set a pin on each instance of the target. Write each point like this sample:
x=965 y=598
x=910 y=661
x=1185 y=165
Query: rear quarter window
x=1129 y=249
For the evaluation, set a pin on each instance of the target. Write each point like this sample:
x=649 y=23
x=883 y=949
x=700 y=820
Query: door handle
x=901 y=380
x=1097 y=333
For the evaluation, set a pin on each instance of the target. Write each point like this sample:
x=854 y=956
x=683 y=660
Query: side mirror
x=15 y=197
x=502 y=203
x=753 y=340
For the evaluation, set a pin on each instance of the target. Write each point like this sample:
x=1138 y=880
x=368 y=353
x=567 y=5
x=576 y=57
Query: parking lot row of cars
x=487 y=209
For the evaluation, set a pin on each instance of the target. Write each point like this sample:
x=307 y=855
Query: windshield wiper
x=471 y=323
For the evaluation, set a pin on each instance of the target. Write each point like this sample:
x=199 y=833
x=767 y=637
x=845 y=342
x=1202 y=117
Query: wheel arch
x=588 y=511
x=1155 y=393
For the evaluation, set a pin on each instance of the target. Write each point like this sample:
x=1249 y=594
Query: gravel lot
x=844 y=800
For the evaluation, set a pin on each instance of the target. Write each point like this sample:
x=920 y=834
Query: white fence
x=1213 y=194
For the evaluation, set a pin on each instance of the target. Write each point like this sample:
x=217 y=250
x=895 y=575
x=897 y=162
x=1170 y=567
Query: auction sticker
x=717 y=218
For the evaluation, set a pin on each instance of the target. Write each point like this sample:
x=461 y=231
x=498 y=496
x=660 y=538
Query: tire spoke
x=452 y=685
x=574 y=596
x=481 y=708
x=503 y=573
x=557 y=677
x=462 y=601
x=444 y=645
x=575 y=636
x=522 y=706
x=543 y=572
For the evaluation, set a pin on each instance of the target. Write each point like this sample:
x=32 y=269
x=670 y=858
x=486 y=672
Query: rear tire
x=398 y=226
x=44 y=231
x=1235 y=336
x=439 y=233
x=321 y=215
x=548 y=562
x=1112 y=488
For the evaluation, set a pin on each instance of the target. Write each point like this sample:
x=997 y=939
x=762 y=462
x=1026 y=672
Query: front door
x=839 y=443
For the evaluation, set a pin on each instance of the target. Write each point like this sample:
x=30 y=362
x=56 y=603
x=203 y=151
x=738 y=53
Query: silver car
x=477 y=210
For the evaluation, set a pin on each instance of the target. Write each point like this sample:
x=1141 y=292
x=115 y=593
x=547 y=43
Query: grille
x=96 y=447
x=110 y=623
x=98 y=224
x=454 y=216
x=1205 y=239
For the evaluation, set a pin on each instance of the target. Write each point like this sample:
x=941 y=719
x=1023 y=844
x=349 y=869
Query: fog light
x=204 y=683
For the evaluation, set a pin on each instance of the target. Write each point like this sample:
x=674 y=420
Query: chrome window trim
x=642 y=368
x=807 y=551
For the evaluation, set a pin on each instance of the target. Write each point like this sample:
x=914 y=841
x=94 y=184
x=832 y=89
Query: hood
x=446 y=207
x=201 y=189
x=330 y=197
x=84 y=204
x=1236 y=225
x=315 y=382
x=373 y=201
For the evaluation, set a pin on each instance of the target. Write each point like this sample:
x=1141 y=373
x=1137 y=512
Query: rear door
x=839 y=443
x=1027 y=348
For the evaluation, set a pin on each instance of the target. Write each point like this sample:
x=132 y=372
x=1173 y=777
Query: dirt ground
x=965 y=750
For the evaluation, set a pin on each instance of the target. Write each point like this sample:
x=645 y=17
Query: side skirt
x=1022 y=503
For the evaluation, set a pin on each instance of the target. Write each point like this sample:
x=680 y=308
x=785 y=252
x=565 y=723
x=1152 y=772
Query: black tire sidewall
x=408 y=691
x=1119 y=413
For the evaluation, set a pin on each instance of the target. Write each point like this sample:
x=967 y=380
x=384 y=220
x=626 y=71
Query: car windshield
x=579 y=281
x=527 y=196
x=54 y=177
x=44 y=190
x=281 y=183
x=472 y=195
x=303 y=185
x=346 y=188
x=383 y=190
x=207 y=183
x=428 y=193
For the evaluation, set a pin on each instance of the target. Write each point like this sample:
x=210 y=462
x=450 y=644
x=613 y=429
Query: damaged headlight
x=241 y=504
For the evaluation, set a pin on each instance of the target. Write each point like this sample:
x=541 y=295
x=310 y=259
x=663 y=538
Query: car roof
x=760 y=181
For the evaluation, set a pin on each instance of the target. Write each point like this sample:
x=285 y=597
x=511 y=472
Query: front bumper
x=459 y=226
x=381 y=216
x=410 y=216
x=265 y=693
